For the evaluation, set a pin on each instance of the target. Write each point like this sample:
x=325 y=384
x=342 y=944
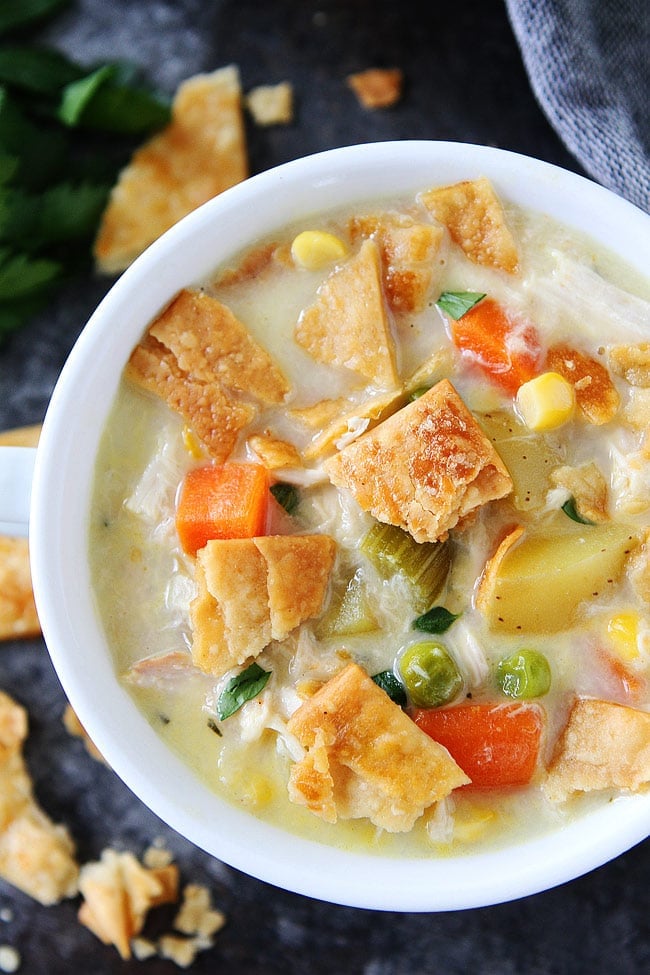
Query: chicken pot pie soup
x=370 y=525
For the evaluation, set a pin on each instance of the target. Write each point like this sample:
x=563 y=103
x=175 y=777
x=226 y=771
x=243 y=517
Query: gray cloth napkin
x=588 y=62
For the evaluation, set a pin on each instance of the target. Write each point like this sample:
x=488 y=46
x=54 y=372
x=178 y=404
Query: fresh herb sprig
x=436 y=620
x=240 y=689
x=458 y=303
x=65 y=132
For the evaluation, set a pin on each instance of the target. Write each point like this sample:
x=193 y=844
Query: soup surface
x=369 y=527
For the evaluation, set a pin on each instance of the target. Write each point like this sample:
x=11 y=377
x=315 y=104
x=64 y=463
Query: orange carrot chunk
x=505 y=348
x=221 y=501
x=496 y=745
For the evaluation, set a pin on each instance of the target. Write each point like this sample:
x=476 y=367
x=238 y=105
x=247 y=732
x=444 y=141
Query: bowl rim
x=59 y=539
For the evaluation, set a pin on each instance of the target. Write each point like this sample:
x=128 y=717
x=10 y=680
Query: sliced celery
x=425 y=565
x=349 y=613
x=529 y=457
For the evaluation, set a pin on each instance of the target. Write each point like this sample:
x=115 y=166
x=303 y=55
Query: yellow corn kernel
x=623 y=632
x=192 y=444
x=546 y=402
x=313 y=249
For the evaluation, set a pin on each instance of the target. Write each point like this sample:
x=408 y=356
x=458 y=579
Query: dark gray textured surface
x=465 y=82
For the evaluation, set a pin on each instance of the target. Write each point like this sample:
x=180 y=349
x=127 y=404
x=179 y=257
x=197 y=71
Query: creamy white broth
x=144 y=582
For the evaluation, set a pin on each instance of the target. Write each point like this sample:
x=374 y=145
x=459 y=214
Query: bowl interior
x=59 y=539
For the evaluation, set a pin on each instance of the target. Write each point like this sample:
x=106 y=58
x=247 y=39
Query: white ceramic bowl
x=59 y=531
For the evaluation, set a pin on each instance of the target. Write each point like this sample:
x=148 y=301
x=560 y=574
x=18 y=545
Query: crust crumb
x=377 y=87
x=18 y=616
x=36 y=855
x=271 y=104
x=118 y=892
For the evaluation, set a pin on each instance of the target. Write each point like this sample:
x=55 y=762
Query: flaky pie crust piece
x=36 y=855
x=475 y=219
x=18 y=617
x=348 y=325
x=203 y=362
x=424 y=468
x=364 y=757
x=604 y=745
x=198 y=155
x=255 y=590
x=118 y=892
x=409 y=250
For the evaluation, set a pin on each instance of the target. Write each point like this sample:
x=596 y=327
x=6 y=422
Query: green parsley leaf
x=21 y=276
x=458 y=303
x=244 y=687
x=570 y=509
x=437 y=620
x=286 y=495
x=393 y=687
x=213 y=726
x=15 y=14
x=102 y=101
x=39 y=71
x=71 y=212
x=78 y=94
x=19 y=217
x=126 y=110
x=8 y=168
x=40 y=149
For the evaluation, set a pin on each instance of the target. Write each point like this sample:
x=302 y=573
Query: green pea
x=524 y=674
x=430 y=674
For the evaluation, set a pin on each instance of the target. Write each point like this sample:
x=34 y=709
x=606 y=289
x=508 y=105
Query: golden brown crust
x=349 y=416
x=365 y=757
x=408 y=251
x=632 y=362
x=603 y=746
x=298 y=570
x=254 y=590
x=424 y=468
x=74 y=727
x=273 y=452
x=348 y=325
x=18 y=616
x=211 y=345
x=271 y=104
x=216 y=418
x=473 y=214
x=118 y=893
x=596 y=395
x=200 y=359
x=489 y=579
x=588 y=488
x=255 y=262
x=201 y=153
x=377 y=87
x=36 y=855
